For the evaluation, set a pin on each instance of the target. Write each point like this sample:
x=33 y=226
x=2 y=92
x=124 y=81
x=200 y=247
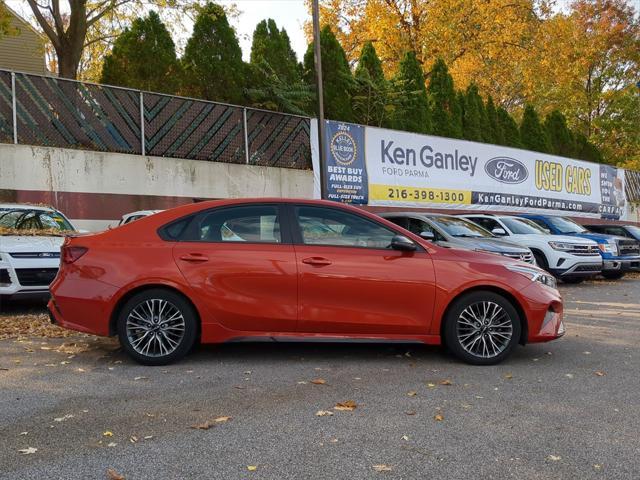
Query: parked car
x=619 y=255
x=569 y=258
x=130 y=217
x=450 y=231
x=279 y=276
x=628 y=231
x=30 y=241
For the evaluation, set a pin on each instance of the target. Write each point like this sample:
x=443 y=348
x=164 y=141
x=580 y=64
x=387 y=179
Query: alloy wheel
x=484 y=329
x=155 y=328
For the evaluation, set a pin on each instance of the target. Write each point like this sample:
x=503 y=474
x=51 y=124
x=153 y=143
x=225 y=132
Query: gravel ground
x=567 y=409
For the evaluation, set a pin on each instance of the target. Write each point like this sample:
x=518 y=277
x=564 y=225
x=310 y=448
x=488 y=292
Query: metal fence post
x=14 y=104
x=246 y=135
x=143 y=146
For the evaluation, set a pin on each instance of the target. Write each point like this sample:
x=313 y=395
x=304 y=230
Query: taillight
x=71 y=254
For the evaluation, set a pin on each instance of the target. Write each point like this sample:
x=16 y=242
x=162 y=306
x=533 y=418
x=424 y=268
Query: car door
x=241 y=264
x=352 y=283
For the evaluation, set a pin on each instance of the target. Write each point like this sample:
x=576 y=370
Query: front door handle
x=194 y=257
x=318 y=261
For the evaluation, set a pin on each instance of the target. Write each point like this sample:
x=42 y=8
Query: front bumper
x=544 y=311
x=584 y=269
x=621 y=264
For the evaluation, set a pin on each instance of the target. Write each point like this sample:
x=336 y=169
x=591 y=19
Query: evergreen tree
x=510 y=134
x=446 y=116
x=412 y=107
x=212 y=61
x=371 y=95
x=585 y=150
x=474 y=117
x=532 y=134
x=143 y=57
x=336 y=76
x=495 y=135
x=272 y=47
x=560 y=137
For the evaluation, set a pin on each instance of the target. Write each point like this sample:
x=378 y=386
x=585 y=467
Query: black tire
x=613 y=275
x=451 y=336
x=573 y=280
x=541 y=260
x=174 y=303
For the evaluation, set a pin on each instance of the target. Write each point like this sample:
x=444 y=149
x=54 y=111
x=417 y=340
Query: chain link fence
x=53 y=112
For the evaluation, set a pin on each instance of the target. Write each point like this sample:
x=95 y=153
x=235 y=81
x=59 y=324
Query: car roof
x=26 y=206
x=419 y=214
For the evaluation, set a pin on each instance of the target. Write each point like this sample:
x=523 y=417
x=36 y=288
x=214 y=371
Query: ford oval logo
x=506 y=170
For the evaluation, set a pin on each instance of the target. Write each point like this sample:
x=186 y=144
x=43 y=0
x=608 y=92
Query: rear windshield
x=29 y=220
x=458 y=227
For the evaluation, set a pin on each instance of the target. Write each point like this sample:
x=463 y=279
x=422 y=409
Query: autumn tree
x=372 y=97
x=532 y=133
x=336 y=76
x=412 y=111
x=212 y=61
x=446 y=109
x=143 y=57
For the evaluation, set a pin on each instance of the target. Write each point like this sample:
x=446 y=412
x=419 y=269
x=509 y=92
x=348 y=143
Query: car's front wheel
x=157 y=327
x=482 y=328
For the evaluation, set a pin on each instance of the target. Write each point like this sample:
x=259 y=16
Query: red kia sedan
x=279 y=269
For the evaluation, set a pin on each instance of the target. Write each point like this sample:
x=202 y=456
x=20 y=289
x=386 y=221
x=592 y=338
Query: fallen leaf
x=554 y=458
x=410 y=413
x=23 y=433
x=431 y=385
x=382 y=468
x=319 y=381
x=405 y=438
x=508 y=376
x=347 y=406
x=221 y=419
x=63 y=418
x=569 y=375
x=133 y=439
x=148 y=437
x=600 y=373
x=107 y=434
x=28 y=451
x=597 y=466
x=113 y=475
x=141 y=378
x=323 y=413
x=252 y=468
x=438 y=417
x=111 y=444
x=412 y=393
x=446 y=382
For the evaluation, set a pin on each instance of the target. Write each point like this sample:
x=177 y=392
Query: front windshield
x=635 y=231
x=522 y=226
x=459 y=227
x=565 y=225
x=33 y=219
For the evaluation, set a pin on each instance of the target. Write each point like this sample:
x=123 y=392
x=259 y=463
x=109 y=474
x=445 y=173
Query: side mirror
x=499 y=231
x=402 y=243
x=427 y=236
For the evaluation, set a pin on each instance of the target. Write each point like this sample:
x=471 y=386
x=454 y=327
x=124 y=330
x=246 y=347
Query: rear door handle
x=319 y=261
x=194 y=257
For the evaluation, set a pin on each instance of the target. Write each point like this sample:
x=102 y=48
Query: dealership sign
x=380 y=167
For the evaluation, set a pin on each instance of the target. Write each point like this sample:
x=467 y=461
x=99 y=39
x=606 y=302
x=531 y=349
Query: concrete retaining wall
x=95 y=189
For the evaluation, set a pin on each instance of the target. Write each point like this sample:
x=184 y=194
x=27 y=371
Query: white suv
x=568 y=258
x=30 y=241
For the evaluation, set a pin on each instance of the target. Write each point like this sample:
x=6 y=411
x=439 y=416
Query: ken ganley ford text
x=425 y=157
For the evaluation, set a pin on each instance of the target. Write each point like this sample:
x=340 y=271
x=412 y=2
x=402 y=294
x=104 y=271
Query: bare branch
x=48 y=30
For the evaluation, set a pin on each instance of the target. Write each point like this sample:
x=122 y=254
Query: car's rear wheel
x=482 y=328
x=613 y=275
x=157 y=327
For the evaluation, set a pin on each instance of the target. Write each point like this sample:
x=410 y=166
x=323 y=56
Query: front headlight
x=609 y=247
x=562 y=246
x=534 y=275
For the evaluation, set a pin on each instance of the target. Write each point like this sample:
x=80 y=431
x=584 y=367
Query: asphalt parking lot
x=77 y=407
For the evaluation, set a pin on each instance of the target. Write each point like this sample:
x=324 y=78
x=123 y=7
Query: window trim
x=285 y=230
x=296 y=229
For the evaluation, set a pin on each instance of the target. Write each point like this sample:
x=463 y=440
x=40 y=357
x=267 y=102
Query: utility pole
x=320 y=97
